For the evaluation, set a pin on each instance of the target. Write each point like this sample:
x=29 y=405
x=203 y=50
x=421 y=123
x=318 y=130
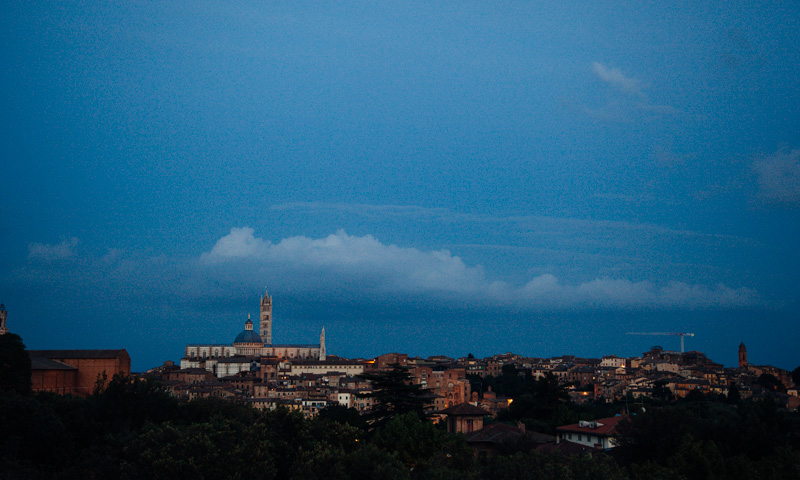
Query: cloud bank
x=354 y=265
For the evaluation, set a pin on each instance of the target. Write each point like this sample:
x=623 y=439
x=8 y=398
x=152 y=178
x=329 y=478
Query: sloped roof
x=464 y=409
x=41 y=363
x=76 y=353
x=501 y=432
x=605 y=426
x=566 y=448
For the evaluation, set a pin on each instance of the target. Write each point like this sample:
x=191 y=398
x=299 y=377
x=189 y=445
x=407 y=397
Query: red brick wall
x=57 y=381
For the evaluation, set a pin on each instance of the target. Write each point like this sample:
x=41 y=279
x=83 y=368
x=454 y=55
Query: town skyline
x=668 y=341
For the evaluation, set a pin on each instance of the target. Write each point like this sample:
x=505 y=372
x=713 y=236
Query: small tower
x=3 y=316
x=322 y=345
x=265 y=327
x=742 y=355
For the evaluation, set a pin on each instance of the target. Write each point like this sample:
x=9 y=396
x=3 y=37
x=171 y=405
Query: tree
x=15 y=365
x=427 y=451
x=220 y=447
x=796 y=376
x=548 y=391
x=343 y=415
x=695 y=395
x=771 y=383
x=128 y=402
x=395 y=394
x=661 y=391
x=733 y=393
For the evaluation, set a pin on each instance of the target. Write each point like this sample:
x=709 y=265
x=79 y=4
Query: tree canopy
x=395 y=394
x=15 y=364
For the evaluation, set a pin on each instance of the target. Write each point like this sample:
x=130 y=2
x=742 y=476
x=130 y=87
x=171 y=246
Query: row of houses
x=657 y=373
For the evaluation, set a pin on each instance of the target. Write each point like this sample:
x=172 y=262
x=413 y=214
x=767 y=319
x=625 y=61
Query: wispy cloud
x=541 y=224
x=48 y=252
x=778 y=177
x=631 y=97
x=617 y=79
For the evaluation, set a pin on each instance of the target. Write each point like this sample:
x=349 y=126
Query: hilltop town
x=311 y=384
x=305 y=377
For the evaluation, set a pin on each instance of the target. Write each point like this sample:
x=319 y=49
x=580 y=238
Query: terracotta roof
x=501 y=432
x=604 y=426
x=464 y=409
x=494 y=433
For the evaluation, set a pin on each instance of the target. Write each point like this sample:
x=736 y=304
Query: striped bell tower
x=265 y=325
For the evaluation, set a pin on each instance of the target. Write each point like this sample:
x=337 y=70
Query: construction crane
x=664 y=333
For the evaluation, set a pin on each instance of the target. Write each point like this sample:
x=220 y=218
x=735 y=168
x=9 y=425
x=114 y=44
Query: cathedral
x=252 y=344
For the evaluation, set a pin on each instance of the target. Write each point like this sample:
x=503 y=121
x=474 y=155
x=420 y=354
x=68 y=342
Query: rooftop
x=603 y=426
x=76 y=353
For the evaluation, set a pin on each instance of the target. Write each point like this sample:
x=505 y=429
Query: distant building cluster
x=305 y=378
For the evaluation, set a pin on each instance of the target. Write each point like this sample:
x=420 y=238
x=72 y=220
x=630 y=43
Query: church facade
x=250 y=345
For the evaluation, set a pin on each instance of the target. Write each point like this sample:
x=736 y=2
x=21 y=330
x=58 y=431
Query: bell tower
x=742 y=355
x=265 y=326
x=3 y=316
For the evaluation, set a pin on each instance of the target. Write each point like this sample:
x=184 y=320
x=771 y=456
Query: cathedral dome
x=248 y=335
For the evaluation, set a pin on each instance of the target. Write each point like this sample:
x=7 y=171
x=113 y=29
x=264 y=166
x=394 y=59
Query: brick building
x=75 y=371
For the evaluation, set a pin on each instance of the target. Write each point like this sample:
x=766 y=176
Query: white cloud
x=363 y=266
x=365 y=259
x=615 y=78
x=778 y=177
x=240 y=243
x=46 y=252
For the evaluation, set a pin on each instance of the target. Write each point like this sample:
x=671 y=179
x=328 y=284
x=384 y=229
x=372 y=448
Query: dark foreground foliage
x=133 y=430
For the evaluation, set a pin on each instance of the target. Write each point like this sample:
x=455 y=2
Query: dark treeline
x=132 y=429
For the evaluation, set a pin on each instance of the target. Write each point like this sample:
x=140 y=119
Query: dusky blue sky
x=423 y=177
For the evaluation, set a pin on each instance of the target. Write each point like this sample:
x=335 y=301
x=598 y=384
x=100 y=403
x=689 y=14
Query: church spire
x=322 y=352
